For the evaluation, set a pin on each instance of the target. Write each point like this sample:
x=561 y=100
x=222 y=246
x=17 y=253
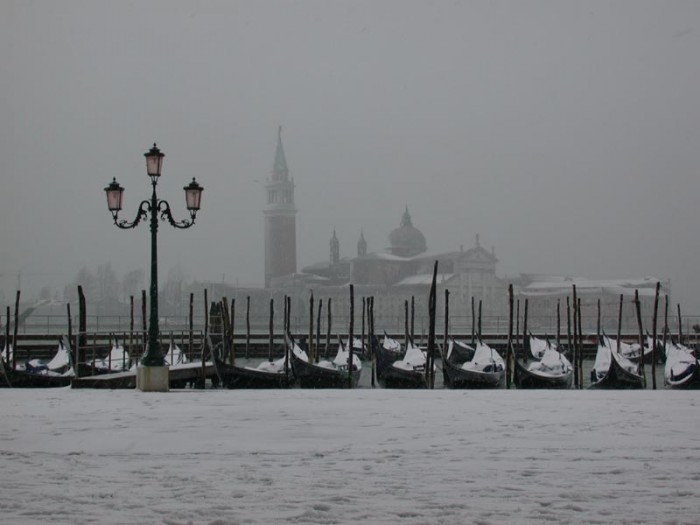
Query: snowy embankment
x=368 y=456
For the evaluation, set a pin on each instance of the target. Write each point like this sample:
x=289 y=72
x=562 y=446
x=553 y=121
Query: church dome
x=407 y=240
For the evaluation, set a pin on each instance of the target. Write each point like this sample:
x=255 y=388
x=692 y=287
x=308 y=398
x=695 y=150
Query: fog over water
x=566 y=134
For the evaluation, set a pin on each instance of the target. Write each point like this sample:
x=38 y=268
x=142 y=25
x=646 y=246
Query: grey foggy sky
x=565 y=133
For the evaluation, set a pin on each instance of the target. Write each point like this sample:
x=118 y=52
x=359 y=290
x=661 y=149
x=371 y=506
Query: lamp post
x=152 y=374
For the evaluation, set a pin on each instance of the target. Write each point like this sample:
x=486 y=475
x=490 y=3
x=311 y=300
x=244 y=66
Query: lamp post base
x=152 y=378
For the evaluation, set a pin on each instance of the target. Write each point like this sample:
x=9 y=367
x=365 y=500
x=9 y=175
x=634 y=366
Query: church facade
x=401 y=275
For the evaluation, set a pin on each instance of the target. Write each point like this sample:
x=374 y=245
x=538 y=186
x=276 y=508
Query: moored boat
x=268 y=374
x=27 y=379
x=467 y=367
x=682 y=369
x=552 y=370
x=324 y=374
x=612 y=370
x=400 y=370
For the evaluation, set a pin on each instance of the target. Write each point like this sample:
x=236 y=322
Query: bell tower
x=280 y=219
x=335 y=249
x=362 y=245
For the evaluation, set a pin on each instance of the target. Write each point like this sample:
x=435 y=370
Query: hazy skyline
x=566 y=134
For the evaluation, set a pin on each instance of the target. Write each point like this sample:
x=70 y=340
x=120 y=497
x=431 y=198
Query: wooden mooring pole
x=203 y=380
x=580 y=345
x=406 y=332
x=619 y=323
x=247 y=326
x=509 y=346
x=351 y=335
x=318 y=326
x=413 y=318
x=271 y=329
x=473 y=323
x=654 y=336
x=479 y=328
x=568 y=326
x=8 y=344
x=665 y=321
x=328 y=328
x=364 y=314
x=372 y=338
x=232 y=357
x=576 y=348
x=638 y=308
x=229 y=332
x=558 y=322
x=526 y=338
x=70 y=334
x=82 y=327
x=447 y=324
x=517 y=328
x=310 y=342
x=446 y=332
x=285 y=324
x=597 y=324
x=430 y=358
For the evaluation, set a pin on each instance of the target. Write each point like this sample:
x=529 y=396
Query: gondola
x=466 y=367
x=59 y=364
x=324 y=374
x=23 y=379
x=613 y=371
x=269 y=374
x=385 y=355
x=553 y=370
x=682 y=369
x=396 y=369
x=44 y=378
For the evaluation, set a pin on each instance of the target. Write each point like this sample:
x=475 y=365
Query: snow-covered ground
x=362 y=456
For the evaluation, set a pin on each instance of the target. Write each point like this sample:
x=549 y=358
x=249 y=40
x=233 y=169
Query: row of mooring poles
x=576 y=340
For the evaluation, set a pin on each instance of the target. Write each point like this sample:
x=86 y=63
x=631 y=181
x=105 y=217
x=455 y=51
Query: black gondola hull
x=690 y=380
x=390 y=376
x=617 y=378
x=233 y=377
x=22 y=379
x=393 y=377
x=457 y=377
x=527 y=379
x=310 y=375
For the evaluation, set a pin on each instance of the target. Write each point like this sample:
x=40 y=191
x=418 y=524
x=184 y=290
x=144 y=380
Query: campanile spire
x=280 y=219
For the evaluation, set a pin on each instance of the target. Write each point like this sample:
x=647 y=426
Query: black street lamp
x=193 y=197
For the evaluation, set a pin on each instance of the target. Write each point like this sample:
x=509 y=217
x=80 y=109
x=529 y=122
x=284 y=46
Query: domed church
x=406 y=240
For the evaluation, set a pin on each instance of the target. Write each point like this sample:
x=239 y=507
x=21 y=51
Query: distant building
x=280 y=220
x=401 y=272
x=544 y=292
